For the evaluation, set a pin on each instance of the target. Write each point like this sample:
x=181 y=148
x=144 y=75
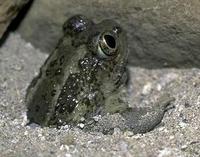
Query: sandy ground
x=177 y=136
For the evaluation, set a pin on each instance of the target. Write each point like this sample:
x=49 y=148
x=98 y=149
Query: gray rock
x=8 y=11
x=163 y=33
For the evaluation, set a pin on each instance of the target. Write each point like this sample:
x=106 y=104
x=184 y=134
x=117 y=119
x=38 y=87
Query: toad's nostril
x=110 y=41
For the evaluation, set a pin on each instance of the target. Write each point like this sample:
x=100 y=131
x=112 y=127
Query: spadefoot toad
x=83 y=77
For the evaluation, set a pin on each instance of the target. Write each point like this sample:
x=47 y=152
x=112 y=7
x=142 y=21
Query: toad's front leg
x=141 y=120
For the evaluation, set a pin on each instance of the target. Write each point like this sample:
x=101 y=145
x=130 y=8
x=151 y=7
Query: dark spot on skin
x=58 y=71
x=62 y=59
x=53 y=63
x=73 y=43
x=11 y=10
x=53 y=92
x=44 y=96
x=71 y=106
x=48 y=72
x=37 y=108
x=61 y=109
x=87 y=101
x=76 y=43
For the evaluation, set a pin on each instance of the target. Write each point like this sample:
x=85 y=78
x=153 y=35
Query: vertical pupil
x=110 y=41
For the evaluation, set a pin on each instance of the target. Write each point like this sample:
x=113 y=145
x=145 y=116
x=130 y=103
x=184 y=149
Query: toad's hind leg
x=141 y=120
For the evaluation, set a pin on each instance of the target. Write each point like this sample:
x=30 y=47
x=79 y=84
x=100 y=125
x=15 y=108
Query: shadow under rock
x=14 y=25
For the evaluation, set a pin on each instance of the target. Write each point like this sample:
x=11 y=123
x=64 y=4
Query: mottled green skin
x=77 y=81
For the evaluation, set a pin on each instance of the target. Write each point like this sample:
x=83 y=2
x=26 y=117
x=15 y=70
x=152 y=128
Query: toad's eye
x=107 y=45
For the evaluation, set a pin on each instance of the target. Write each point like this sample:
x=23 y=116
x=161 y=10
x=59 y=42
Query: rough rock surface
x=8 y=11
x=161 y=33
x=177 y=135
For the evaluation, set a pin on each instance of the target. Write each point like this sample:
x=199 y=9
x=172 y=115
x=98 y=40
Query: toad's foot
x=141 y=120
x=138 y=120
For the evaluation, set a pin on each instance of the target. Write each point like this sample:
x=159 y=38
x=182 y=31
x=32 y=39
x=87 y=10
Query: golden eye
x=108 y=45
